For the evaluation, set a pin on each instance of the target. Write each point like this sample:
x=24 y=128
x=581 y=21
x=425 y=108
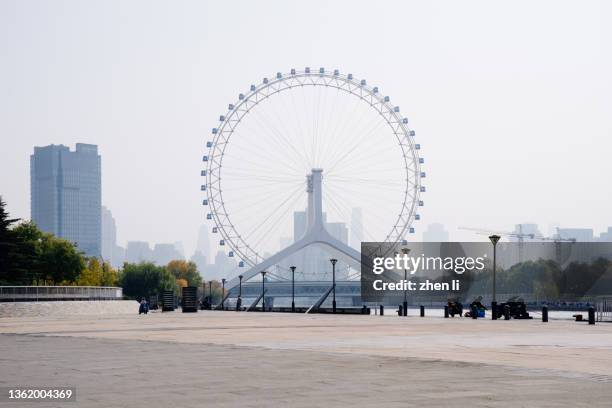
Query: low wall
x=58 y=293
x=68 y=308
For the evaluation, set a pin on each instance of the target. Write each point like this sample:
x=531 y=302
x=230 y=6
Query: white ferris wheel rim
x=284 y=82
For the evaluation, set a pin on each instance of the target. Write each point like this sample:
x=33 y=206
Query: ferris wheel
x=278 y=131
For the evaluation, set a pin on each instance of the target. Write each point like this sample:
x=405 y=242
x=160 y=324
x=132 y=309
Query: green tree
x=109 y=275
x=92 y=275
x=60 y=260
x=30 y=240
x=145 y=279
x=10 y=271
x=185 y=270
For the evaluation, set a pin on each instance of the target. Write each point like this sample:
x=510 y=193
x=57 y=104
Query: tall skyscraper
x=109 y=234
x=203 y=244
x=66 y=194
x=111 y=252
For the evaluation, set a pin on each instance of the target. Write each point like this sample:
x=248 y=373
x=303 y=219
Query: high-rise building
x=111 y=252
x=435 y=232
x=200 y=260
x=203 y=244
x=138 y=251
x=164 y=253
x=579 y=234
x=606 y=236
x=109 y=234
x=66 y=194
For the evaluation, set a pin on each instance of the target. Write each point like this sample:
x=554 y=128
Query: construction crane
x=557 y=239
x=520 y=236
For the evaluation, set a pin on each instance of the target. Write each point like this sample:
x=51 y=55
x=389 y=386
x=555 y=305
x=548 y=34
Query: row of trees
x=146 y=278
x=29 y=256
x=547 y=279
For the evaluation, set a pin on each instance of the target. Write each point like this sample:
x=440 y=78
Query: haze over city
x=513 y=116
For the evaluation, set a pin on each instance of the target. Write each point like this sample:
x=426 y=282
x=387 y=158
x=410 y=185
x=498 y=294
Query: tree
x=110 y=277
x=145 y=279
x=60 y=260
x=30 y=240
x=185 y=270
x=9 y=248
x=92 y=275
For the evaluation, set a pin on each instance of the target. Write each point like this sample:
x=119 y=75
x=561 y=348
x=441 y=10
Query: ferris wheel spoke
x=296 y=121
x=289 y=197
x=354 y=127
x=267 y=232
x=282 y=140
x=344 y=214
x=356 y=145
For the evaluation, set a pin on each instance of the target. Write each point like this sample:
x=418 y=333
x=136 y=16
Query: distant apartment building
x=164 y=253
x=435 y=232
x=138 y=251
x=579 y=234
x=66 y=194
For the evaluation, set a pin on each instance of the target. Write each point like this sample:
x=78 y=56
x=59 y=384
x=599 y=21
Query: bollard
x=474 y=312
x=506 y=312
x=493 y=310
x=405 y=309
x=544 y=314
x=382 y=310
x=422 y=311
x=591 y=315
x=446 y=312
x=399 y=310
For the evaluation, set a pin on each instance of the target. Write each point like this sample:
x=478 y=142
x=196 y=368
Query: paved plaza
x=229 y=359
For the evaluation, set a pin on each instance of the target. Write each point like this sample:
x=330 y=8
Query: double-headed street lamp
x=292 y=288
x=263 y=291
x=333 y=262
x=494 y=240
x=405 y=251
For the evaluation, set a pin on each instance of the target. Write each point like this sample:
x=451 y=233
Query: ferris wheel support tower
x=316 y=234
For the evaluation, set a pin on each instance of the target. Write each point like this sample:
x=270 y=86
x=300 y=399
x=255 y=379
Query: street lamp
x=333 y=262
x=405 y=251
x=223 y=294
x=239 y=300
x=210 y=294
x=494 y=240
x=292 y=288
x=263 y=291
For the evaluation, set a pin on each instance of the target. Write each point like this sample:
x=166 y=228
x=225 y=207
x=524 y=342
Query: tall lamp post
x=333 y=262
x=223 y=294
x=405 y=251
x=263 y=291
x=210 y=294
x=239 y=300
x=292 y=288
x=494 y=240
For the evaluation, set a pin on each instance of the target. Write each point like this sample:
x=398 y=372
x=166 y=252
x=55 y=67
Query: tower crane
x=520 y=236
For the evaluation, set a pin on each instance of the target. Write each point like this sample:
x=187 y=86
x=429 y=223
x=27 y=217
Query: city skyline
x=494 y=156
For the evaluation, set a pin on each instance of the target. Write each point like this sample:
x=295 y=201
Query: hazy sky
x=511 y=101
